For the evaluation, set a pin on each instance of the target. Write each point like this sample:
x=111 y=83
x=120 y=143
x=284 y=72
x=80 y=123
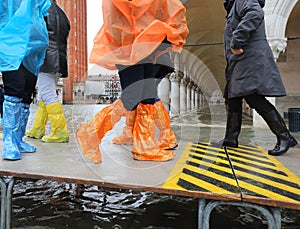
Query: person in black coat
x=251 y=73
x=54 y=67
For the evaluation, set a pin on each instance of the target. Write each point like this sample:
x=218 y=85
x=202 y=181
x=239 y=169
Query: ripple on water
x=40 y=204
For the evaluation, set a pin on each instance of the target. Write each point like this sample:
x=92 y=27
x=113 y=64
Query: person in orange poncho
x=135 y=38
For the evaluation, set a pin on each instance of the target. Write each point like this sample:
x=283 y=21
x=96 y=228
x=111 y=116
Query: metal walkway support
x=7 y=184
x=273 y=216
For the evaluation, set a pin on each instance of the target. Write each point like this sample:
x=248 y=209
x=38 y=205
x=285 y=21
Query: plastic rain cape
x=132 y=30
x=23 y=34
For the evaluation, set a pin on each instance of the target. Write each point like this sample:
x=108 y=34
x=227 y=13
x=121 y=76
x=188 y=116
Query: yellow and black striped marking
x=261 y=175
x=205 y=168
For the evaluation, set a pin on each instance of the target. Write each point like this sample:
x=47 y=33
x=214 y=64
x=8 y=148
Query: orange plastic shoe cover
x=89 y=135
x=125 y=138
x=167 y=138
x=144 y=145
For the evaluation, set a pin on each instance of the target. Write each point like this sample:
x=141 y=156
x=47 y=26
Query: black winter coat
x=255 y=70
x=58 y=26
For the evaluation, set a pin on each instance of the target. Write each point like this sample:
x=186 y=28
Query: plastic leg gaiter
x=126 y=136
x=144 y=145
x=89 y=135
x=40 y=121
x=24 y=147
x=58 y=123
x=167 y=138
x=11 y=125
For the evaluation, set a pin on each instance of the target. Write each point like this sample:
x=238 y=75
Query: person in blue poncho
x=24 y=39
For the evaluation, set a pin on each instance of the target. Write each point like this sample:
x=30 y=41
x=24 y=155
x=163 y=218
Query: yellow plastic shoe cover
x=58 y=123
x=40 y=121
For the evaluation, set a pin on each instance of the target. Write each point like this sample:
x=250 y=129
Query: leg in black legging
x=259 y=103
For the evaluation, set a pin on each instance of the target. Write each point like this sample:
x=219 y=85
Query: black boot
x=284 y=139
x=233 y=129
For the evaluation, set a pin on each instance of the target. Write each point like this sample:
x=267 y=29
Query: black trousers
x=139 y=84
x=20 y=83
x=1 y=109
x=255 y=101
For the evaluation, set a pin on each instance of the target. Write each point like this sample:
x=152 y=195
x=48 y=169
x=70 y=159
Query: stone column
x=197 y=98
x=175 y=94
x=193 y=97
x=164 y=92
x=183 y=91
x=200 y=99
x=188 y=96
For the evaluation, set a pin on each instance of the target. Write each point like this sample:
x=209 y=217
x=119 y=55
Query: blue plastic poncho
x=23 y=34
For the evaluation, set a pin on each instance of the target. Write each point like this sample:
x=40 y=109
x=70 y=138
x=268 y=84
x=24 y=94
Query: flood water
x=40 y=204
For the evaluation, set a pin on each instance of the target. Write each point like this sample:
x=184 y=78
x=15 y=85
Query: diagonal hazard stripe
x=266 y=176
x=267 y=172
x=210 y=174
x=200 y=183
x=225 y=183
x=242 y=155
x=262 y=170
x=237 y=156
x=205 y=168
x=276 y=187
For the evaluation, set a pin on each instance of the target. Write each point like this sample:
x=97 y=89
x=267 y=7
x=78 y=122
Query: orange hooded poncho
x=132 y=30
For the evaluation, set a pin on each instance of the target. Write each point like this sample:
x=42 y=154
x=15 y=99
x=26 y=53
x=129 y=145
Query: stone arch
x=277 y=13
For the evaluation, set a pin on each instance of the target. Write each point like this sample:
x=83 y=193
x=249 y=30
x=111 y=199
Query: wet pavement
x=207 y=124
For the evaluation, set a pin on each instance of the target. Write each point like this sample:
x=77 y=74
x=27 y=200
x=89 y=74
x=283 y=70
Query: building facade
x=101 y=89
x=77 y=45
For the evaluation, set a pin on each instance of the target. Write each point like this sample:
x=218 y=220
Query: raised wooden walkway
x=246 y=176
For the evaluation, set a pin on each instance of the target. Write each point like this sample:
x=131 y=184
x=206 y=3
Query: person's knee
x=259 y=103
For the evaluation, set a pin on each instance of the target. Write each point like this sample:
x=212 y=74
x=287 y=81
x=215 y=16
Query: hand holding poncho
x=132 y=30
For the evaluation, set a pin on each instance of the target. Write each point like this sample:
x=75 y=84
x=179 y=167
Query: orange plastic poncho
x=132 y=30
